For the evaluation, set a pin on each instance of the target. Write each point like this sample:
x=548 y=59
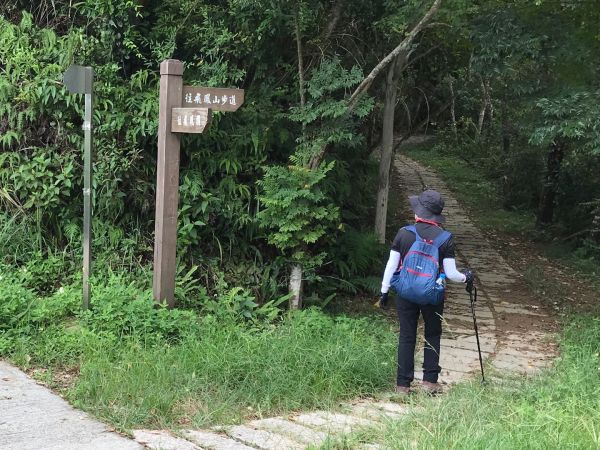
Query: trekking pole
x=473 y=297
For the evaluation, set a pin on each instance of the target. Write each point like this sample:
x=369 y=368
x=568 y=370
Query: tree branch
x=420 y=125
x=403 y=46
x=422 y=55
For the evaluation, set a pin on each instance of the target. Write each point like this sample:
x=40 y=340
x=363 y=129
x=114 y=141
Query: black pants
x=408 y=315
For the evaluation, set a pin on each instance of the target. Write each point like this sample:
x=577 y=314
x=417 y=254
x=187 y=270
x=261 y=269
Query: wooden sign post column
x=167 y=183
x=199 y=103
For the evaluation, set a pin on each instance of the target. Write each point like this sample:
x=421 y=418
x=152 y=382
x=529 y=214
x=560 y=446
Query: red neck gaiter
x=430 y=222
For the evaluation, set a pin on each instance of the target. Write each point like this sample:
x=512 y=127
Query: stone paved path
x=34 y=418
x=514 y=330
x=515 y=336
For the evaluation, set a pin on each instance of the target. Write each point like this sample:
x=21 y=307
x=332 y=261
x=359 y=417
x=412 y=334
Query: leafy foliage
x=247 y=200
x=575 y=118
x=294 y=207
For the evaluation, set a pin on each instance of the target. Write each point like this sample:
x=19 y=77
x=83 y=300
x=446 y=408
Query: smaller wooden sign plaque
x=190 y=120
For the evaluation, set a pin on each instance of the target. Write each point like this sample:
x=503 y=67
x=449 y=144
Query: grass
x=229 y=373
x=139 y=366
x=556 y=410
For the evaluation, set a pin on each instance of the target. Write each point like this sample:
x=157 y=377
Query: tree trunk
x=452 y=108
x=505 y=131
x=300 y=62
x=595 y=231
x=336 y=13
x=488 y=99
x=482 y=110
x=505 y=128
x=387 y=144
x=296 y=287
x=550 y=188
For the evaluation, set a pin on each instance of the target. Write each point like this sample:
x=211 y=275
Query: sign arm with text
x=217 y=99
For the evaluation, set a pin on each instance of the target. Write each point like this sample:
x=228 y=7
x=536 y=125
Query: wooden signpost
x=182 y=109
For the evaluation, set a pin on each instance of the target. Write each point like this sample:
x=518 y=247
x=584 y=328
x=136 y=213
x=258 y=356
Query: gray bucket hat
x=428 y=205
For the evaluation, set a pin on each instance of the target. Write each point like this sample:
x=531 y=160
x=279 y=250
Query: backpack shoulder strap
x=413 y=229
x=441 y=238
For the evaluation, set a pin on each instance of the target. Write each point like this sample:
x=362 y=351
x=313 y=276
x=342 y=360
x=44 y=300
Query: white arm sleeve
x=451 y=272
x=390 y=268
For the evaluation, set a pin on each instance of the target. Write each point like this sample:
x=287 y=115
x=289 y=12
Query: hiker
x=427 y=207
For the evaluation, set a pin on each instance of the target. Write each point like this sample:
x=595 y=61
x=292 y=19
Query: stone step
x=366 y=410
x=469 y=318
x=163 y=440
x=333 y=422
x=261 y=439
x=394 y=408
x=517 y=310
x=213 y=441
x=292 y=430
x=512 y=365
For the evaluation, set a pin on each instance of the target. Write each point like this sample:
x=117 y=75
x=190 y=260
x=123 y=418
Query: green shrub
x=15 y=304
x=47 y=273
x=17 y=242
x=121 y=308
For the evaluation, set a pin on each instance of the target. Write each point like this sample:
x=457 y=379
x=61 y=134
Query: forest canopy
x=290 y=179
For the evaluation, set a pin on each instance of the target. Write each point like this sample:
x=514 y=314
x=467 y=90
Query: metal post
x=167 y=183
x=80 y=80
x=87 y=191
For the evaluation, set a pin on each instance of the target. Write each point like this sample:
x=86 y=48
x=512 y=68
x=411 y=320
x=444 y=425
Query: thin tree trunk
x=452 y=108
x=417 y=112
x=336 y=13
x=505 y=127
x=482 y=111
x=296 y=287
x=387 y=144
x=595 y=231
x=300 y=63
x=488 y=99
x=505 y=130
x=555 y=156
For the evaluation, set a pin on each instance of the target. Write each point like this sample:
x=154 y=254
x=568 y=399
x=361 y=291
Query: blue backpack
x=417 y=279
